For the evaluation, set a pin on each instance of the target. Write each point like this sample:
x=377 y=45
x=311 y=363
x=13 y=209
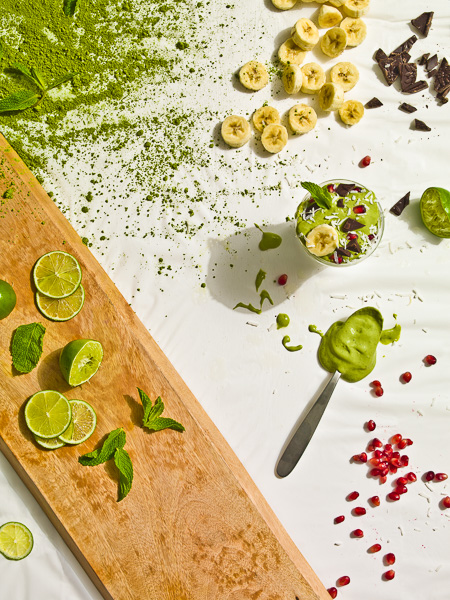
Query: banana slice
x=274 y=138
x=322 y=240
x=329 y=16
x=346 y=74
x=355 y=29
x=333 y=42
x=236 y=131
x=284 y=4
x=331 y=96
x=302 y=118
x=336 y=3
x=356 y=8
x=313 y=78
x=305 y=34
x=290 y=54
x=292 y=79
x=266 y=115
x=351 y=112
x=253 y=75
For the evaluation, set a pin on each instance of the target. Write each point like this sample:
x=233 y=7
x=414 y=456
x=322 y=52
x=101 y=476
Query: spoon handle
x=306 y=429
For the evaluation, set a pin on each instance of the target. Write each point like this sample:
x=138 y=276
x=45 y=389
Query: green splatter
x=313 y=329
x=283 y=320
x=285 y=341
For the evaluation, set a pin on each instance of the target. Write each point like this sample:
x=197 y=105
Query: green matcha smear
x=283 y=320
x=388 y=336
x=313 y=329
x=269 y=240
x=285 y=341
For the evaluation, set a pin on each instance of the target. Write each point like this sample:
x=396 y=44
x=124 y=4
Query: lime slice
x=82 y=425
x=57 y=274
x=80 y=360
x=47 y=414
x=435 y=211
x=50 y=443
x=8 y=299
x=16 y=541
x=61 y=309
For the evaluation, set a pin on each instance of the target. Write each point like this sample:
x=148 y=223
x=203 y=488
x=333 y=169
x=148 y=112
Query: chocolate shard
x=423 y=22
x=340 y=203
x=311 y=208
x=408 y=75
x=353 y=246
x=343 y=251
x=442 y=99
x=406 y=46
x=420 y=125
x=423 y=59
x=432 y=73
x=351 y=225
x=407 y=108
x=442 y=77
x=432 y=63
x=379 y=55
x=444 y=93
x=344 y=188
x=390 y=67
x=418 y=86
x=374 y=103
x=400 y=206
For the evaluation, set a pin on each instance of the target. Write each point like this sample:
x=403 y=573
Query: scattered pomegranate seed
x=371 y=425
x=375 y=500
x=401 y=481
x=377 y=443
x=429 y=476
x=375 y=462
x=406 y=377
x=395 y=455
x=330 y=187
x=389 y=559
x=401 y=489
x=395 y=462
x=411 y=477
x=353 y=496
x=402 y=444
x=370 y=448
x=359 y=210
x=358 y=533
x=383 y=479
x=404 y=460
x=394 y=496
x=389 y=575
x=395 y=439
x=363 y=457
x=339 y=519
x=374 y=548
x=430 y=359
x=376 y=383
x=374 y=472
x=344 y=580
x=359 y=511
x=408 y=442
x=282 y=279
x=388 y=448
x=332 y=591
x=446 y=501
x=365 y=162
x=441 y=476
x=378 y=391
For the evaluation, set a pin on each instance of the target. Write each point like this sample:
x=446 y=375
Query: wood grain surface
x=194 y=526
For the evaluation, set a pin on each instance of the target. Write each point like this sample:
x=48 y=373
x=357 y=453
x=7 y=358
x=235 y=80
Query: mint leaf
x=116 y=439
x=61 y=80
x=322 y=197
x=152 y=419
x=38 y=78
x=69 y=7
x=18 y=101
x=1 y=51
x=26 y=346
x=144 y=399
x=125 y=466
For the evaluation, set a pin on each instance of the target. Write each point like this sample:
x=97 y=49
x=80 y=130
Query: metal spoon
x=305 y=430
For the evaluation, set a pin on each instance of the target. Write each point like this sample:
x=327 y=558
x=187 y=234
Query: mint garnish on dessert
x=321 y=196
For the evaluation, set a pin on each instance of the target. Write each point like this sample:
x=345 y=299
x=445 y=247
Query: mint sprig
x=152 y=419
x=26 y=346
x=322 y=197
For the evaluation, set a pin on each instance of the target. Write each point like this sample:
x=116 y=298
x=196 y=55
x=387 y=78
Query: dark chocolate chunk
x=442 y=77
x=420 y=125
x=340 y=203
x=432 y=73
x=390 y=67
x=423 y=59
x=406 y=46
x=380 y=54
x=432 y=63
x=400 y=206
x=407 y=108
x=418 y=86
x=344 y=188
x=343 y=251
x=311 y=208
x=442 y=99
x=408 y=75
x=374 y=103
x=423 y=22
x=444 y=93
x=351 y=225
x=353 y=246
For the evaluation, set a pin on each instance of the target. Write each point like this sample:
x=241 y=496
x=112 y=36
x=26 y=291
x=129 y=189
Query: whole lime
x=435 y=211
x=8 y=299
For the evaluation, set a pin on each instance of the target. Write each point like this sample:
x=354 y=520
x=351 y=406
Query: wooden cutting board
x=194 y=526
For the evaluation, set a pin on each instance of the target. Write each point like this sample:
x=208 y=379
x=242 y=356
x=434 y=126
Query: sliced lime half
x=57 y=274
x=50 y=443
x=82 y=425
x=435 y=211
x=16 y=540
x=61 y=309
x=80 y=360
x=47 y=414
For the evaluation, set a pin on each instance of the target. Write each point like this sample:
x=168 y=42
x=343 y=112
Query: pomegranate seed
x=375 y=500
x=401 y=481
x=370 y=448
x=339 y=519
x=429 y=476
x=401 y=489
x=344 y=580
x=408 y=442
x=282 y=279
x=402 y=444
x=378 y=391
x=396 y=438
x=365 y=162
x=332 y=591
x=357 y=189
x=394 y=496
x=330 y=187
x=371 y=425
x=389 y=559
x=388 y=448
x=395 y=455
x=377 y=443
x=374 y=548
x=374 y=462
x=407 y=377
x=376 y=383
x=371 y=236
x=352 y=495
x=411 y=477
x=383 y=479
x=384 y=465
x=374 y=472
x=359 y=511
x=446 y=502
x=362 y=457
x=359 y=210
x=378 y=454
x=358 y=533
x=404 y=460
x=441 y=476
x=395 y=463
x=384 y=471
x=352 y=236
x=389 y=575
x=430 y=359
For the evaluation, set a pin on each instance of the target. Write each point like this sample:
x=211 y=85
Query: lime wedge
x=61 y=309
x=47 y=414
x=82 y=425
x=50 y=443
x=435 y=211
x=16 y=541
x=80 y=360
x=57 y=274
x=8 y=299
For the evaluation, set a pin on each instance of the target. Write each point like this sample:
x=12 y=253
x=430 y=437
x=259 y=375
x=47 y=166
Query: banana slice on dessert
x=253 y=75
x=356 y=8
x=284 y=4
x=305 y=34
x=346 y=74
x=290 y=54
x=302 y=118
x=274 y=138
x=236 y=131
x=313 y=78
x=266 y=115
x=331 y=96
x=333 y=42
x=351 y=112
x=292 y=79
x=329 y=16
x=322 y=240
x=355 y=29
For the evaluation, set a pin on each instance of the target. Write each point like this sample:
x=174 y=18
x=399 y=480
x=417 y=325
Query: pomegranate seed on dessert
x=358 y=533
x=394 y=496
x=371 y=236
x=371 y=425
x=339 y=519
x=365 y=162
x=441 y=476
x=401 y=481
x=352 y=236
x=377 y=443
x=430 y=359
x=332 y=591
x=282 y=279
x=402 y=444
x=359 y=511
x=378 y=391
x=389 y=575
x=429 y=476
x=375 y=500
x=406 y=377
x=404 y=460
x=411 y=477
x=357 y=189
x=352 y=495
x=389 y=558
x=401 y=489
x=344 y=580
x=374 y=548
x=374 y=472
x=446 y=501
x=359 y=210
x=395 y=439
x=330 y=187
